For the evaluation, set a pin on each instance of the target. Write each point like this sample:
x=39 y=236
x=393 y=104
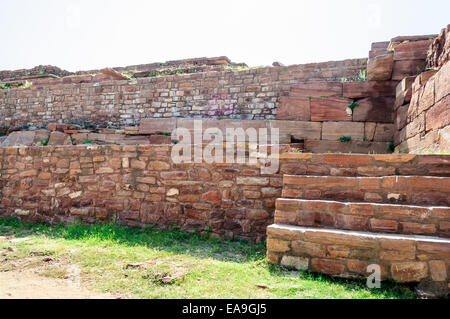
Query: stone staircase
x=340 y=225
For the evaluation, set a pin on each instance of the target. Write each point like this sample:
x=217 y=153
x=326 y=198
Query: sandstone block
x=333 y=131
x=404 y=68
x=375 y=109
x=330 y=109
x=278 y=245
x=438 y=270
x=351 y=222
x=173 y=175
x=298 y=263
x=401 y=117
x=253 y=181
x=409 y=271
x=316 y=89
x=160 y=139
x=294 y=109
x=300 y=130
x=355 y=90
x=439 y=115
x=379 y=68
x=155 y=125
x=311 y=249
x=328 y=266
x=442 y=82
x=412 y=50
x=354 y=147
x=383 y=225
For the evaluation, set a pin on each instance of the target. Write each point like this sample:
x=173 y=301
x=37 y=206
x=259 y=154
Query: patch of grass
x=5 y=86
x=135 y=262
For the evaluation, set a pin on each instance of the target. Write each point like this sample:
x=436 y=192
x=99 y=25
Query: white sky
x=82 y=35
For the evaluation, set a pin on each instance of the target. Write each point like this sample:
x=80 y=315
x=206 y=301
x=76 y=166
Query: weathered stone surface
x=412 y=50
x=401 y=117
x=277 y=245
x=58 y=138
x=426 y=99
x=26 y=138
x=438 y=270
x=409 y=271
x=439 y=115
x=384 y=133
x=297 y=263
x=160 y=139
x=404 y=92
x=439 y=52
x=417 y=126
x=442 y=82
x=379 y=68
x=355 y=147
x=294 y=108
x=375 y=109
x=114 y=74
x=333 y=131
x=330 y=109
x=380 y=45
x=154 y=125
x=316 y=89
x=328 y=266
x=298 y=129
x=356 y=90
x=406 y=68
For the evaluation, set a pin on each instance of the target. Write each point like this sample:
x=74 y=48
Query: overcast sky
x=82 y=35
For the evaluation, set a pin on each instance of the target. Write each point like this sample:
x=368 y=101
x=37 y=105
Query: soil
x=26 y=284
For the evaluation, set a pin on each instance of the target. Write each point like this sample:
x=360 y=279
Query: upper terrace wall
x=248 y=94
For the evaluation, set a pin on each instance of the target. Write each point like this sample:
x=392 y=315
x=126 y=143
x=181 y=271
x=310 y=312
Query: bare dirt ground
x=27 y=284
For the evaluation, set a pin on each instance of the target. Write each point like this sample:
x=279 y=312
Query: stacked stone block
x=340 y=225
x=423 y=112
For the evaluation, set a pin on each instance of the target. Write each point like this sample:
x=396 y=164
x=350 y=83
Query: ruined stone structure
x=96 y=146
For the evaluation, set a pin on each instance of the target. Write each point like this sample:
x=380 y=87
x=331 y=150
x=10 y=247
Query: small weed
x=391 y=147
x=345 y=139
x=353 y=105
x=45 y=142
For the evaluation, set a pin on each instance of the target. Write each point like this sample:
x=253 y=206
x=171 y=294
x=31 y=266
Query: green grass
x=211 y=268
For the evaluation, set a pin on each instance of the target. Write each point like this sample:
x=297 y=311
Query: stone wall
x=247 y=94
x=140 y=185
x=423 y=112
x=38 y=70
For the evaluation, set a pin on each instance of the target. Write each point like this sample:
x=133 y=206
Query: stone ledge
x=403 y=258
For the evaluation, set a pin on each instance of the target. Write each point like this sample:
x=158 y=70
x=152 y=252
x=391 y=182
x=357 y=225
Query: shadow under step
x=403 y=258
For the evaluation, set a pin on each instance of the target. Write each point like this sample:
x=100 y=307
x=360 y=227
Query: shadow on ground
x=177 y=242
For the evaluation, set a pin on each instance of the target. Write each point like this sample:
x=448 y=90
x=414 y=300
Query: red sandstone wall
x=140 y=185
x=423 y=121
x=249 y=94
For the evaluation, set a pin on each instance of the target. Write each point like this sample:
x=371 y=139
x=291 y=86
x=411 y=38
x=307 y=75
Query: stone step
x=415 y=190
x=403 y=258
x=369 y=165
x=370 y=217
